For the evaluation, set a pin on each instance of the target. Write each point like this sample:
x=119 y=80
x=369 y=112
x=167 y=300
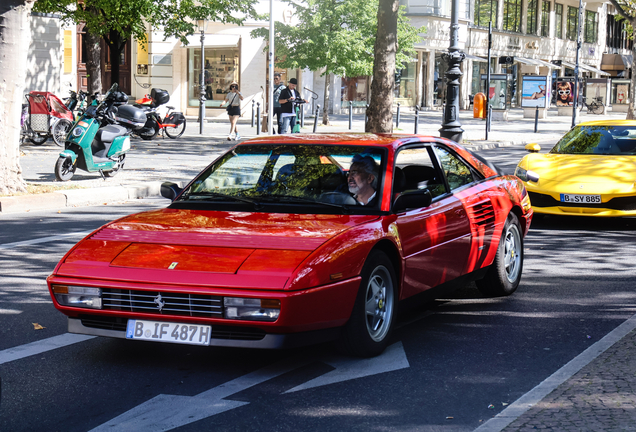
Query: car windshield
x=266 y=177
x=603 y=140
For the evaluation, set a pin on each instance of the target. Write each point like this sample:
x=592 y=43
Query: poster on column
x=534 y=90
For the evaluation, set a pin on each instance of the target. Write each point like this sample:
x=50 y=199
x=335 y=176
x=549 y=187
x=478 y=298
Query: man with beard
x=363 y=179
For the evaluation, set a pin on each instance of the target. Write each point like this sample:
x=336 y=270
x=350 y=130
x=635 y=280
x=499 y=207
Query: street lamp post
x=451 y=127
x=201 y=25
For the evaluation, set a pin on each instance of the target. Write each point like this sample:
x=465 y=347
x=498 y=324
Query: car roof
x=364 y=139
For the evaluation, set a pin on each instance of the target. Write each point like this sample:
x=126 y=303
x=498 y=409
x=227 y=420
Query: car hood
x=584 y=168
x=188 y=247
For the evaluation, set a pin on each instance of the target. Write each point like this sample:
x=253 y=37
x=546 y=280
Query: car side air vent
x=482 y=213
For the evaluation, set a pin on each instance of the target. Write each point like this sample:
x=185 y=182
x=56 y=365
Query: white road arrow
x=165 y=412
x=346 y=369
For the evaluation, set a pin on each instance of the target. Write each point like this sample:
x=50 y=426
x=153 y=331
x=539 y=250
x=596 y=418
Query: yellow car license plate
x=169 y=332
x=581 y=199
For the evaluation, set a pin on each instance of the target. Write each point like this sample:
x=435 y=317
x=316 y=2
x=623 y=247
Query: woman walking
x=233 y=98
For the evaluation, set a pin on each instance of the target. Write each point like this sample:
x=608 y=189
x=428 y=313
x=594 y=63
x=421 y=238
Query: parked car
x=271 y=246
x=589 y=172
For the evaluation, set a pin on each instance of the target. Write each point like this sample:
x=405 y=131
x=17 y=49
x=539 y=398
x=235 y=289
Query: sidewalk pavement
x=594 y=392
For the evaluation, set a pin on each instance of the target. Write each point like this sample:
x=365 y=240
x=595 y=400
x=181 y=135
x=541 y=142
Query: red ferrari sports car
x=291 y=240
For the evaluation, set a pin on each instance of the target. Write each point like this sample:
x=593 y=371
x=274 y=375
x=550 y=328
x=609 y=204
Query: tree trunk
x=93 y=62
x=325 y=110
x=15 y=36
x=380 y=112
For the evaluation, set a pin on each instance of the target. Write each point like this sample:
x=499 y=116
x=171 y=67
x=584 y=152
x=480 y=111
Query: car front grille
x=620 y=203
x=218 y=331
x=162 y=303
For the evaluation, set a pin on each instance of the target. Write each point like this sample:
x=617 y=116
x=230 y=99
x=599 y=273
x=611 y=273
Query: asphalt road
x=454 y=364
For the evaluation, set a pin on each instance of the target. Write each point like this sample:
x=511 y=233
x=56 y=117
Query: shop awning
x=527 y=61
x=616 y=62
x=475 y=58
x=214 y=40
x=584 y=67
x=544 y=63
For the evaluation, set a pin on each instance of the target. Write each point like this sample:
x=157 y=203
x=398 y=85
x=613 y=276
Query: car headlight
x=76 y=296
x=526 y=175
x=251 y=309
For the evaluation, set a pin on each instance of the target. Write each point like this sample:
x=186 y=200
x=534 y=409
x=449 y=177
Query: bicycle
x=173 y=124
x=595 y=107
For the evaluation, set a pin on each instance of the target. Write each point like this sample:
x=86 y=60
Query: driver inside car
x=363 y=179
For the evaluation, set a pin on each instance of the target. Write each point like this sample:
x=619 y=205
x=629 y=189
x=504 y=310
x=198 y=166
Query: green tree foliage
x=335 y=37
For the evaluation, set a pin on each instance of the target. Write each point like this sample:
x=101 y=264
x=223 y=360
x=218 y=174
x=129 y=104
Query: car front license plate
x=581 y=199
x=169 y=332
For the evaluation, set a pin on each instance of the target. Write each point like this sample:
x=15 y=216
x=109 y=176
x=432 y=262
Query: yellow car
x=591 y=171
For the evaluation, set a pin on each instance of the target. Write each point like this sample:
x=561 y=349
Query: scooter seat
x=107 y=134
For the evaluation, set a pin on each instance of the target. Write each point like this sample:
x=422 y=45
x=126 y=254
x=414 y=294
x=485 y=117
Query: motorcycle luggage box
x=159 y=96
x=130 y=116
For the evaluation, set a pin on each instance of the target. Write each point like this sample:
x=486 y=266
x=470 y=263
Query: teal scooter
x=99 y=140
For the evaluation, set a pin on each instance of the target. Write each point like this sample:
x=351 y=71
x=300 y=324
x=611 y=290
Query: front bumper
x=306 y=316
x=616 y=206
x=223 y=336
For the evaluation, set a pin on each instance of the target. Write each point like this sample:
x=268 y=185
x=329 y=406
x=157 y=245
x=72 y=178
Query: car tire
x=369 y=328
x=504 y=275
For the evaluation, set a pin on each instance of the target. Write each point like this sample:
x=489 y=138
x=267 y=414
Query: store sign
x=142 y=69
x=514 y=42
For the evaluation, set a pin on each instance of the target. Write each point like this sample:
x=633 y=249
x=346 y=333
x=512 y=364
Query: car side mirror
x=533 y=147
x=412 y=200
x=170 y=190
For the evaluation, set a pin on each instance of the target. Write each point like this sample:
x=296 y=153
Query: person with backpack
x=289 y=98
x=278 y=88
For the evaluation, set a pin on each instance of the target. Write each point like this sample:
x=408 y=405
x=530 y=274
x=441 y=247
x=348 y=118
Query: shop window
x=405 y=83
x=221 y=68
x=354 y=90
x=558 y=20
x=545 y=19
x=573 y=23
x=532 y=17
x=486 y=12
x=591 y=27
x=512 y=15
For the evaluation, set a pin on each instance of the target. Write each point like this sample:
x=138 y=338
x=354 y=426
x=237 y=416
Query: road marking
x=41 y=346
x=44 y=239
x=394 y=358
x=165 y=412
x=534 y=396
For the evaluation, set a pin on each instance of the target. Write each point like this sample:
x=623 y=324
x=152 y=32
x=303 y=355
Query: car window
x=604 y=140
x=293 y=174
x=414 y=169
x=457 y=172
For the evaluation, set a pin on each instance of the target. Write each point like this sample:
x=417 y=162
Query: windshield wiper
x=257 y=205
x=278 y=197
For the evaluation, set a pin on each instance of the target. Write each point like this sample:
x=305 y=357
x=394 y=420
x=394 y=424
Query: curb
x=78 y=197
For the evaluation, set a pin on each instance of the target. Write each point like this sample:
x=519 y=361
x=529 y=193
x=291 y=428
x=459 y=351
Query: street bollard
x=417 y=119
x=258 y=115
x=302 y=118
x=366 y=117
x=489 y=117
x=253 y=102
x=316 y=118
x=350 y=115
x=397 y=117
x=536 y=119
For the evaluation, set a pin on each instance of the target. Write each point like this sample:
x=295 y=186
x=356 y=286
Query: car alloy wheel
x=379 y=303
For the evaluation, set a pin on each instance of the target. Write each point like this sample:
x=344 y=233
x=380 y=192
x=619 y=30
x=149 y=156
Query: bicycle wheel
x=176 y=131
x=60 y=130
x=596 y=108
